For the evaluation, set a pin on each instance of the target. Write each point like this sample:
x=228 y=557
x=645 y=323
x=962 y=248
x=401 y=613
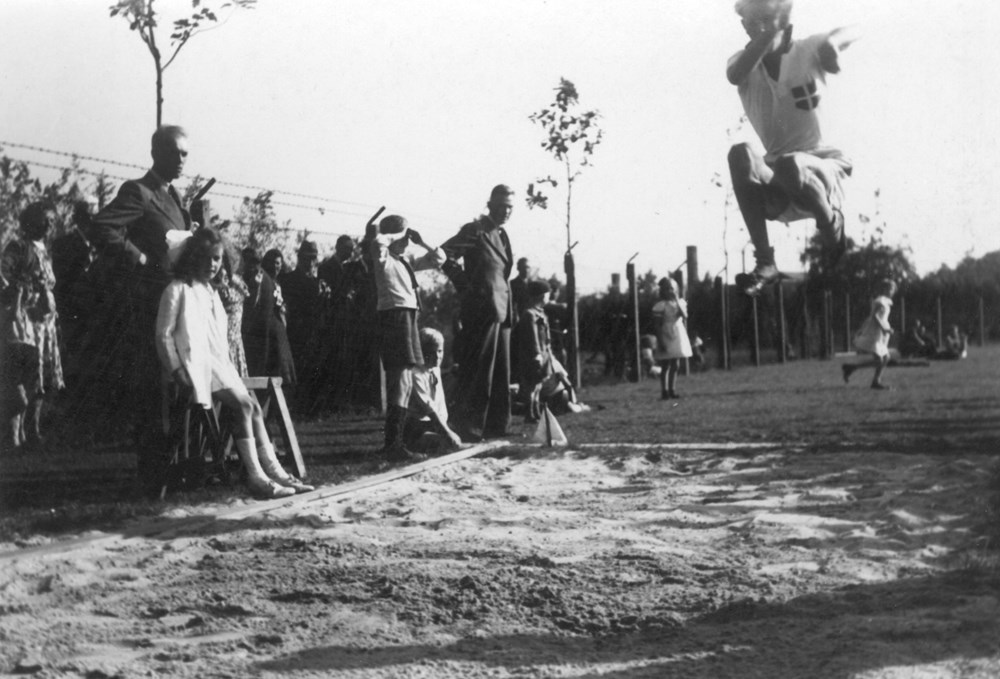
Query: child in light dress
x=873 y=336
x=672 y=343
x=191 y=340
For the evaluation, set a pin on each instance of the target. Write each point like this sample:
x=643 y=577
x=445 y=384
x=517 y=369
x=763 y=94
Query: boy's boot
x=764 y=273
x=395 y=450
x=834 y=241
x=259 y=484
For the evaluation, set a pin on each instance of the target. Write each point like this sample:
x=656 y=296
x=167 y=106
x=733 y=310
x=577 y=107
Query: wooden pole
x=573 y=350
x=804 y=351
x=756 y=333
x=635 y=372
x=982 y=322
x=940 y=329
x=847 y=321
x=692 y=264
x=825 y=345
x=902 y=314
x=723 y=338
x=782 y=329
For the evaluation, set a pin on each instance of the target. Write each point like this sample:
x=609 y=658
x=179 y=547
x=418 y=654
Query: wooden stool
x=267 y=391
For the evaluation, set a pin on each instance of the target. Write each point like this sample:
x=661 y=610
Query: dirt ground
x=600 y=560
x=611 y=562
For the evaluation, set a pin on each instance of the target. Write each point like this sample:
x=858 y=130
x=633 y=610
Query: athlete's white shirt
x=784 y=113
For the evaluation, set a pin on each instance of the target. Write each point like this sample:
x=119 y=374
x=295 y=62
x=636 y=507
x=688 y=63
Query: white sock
x=269 y=461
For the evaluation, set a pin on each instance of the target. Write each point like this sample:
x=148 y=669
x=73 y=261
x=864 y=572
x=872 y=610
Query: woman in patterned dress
x=233 y=291
x=31 y=362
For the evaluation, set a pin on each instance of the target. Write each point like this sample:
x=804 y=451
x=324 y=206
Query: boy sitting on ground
x=427 y=430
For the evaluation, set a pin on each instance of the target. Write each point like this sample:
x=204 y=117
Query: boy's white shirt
x=392 y=280
x=771 y=106
x=425 y=394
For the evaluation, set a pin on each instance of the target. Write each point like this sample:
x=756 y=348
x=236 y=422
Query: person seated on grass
x=191 y=341
x=913 y=344
x=426 y=430
x=956 y=345
x=543 y=378
x=873 y=336
x=697 y=353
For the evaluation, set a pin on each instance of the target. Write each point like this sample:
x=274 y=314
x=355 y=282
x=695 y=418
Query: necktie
x=413 y=279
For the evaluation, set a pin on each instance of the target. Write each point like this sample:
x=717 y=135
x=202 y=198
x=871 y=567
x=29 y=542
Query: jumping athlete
x=781 y=84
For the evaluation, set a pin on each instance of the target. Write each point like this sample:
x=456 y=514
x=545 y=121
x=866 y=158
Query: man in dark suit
x=482 y=349
x=130 y=233
x=134 y=226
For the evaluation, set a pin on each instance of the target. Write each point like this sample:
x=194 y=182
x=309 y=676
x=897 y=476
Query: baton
x=371 y=221
x=205 y=189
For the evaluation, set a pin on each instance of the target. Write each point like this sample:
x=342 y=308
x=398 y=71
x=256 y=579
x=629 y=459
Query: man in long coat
x=482 y=351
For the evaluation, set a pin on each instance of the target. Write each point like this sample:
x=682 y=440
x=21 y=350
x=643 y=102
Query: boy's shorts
x=399 y=340
x=828 y=167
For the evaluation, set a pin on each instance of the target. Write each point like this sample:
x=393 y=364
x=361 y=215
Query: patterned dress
x=30 y=307
x=233 y=292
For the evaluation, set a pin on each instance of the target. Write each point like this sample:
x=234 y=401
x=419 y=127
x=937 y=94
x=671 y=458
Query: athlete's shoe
x=755 y=281
x=846 y=371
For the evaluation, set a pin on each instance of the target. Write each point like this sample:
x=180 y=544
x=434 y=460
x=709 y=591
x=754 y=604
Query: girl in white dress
x=191 y=339
x=672 y=343
x=873 y=336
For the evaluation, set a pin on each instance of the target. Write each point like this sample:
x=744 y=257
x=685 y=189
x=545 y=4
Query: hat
x=537 y=287
x=308 y=249
x=392 y=224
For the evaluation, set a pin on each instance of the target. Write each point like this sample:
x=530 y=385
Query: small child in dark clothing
x=543 y=378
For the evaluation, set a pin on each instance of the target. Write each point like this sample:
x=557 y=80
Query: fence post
x=782 y=352
x=573 y=353
x=940 y=331
x=804 y=351
x=720 y=286
x=633 y=293
x=847 y=321
x=825 y=345
x=982 y=322
x=756 y=333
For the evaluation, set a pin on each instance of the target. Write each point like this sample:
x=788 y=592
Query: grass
x=948 y=407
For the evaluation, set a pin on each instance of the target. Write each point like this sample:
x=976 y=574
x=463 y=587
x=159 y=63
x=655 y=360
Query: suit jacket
x=482 y=280
x=137 y=220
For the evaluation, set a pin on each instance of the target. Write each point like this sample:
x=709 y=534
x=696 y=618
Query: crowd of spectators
x=88 y=302
x=79 y=316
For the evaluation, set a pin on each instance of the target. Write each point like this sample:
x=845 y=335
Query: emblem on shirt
x=805 y=96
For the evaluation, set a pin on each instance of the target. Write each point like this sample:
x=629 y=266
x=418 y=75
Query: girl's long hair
x=195 y=254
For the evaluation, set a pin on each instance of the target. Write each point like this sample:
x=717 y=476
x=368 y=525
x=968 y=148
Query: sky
x=422 y=107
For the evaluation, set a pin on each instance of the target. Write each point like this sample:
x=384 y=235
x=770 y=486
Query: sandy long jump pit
x=590 y=561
